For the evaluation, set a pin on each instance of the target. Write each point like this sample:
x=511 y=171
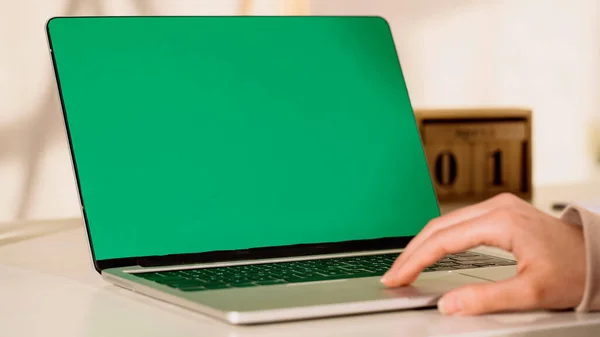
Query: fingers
x=452 y=218
x=508 y=295
x=492 y=229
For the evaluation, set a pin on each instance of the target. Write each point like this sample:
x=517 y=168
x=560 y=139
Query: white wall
x=539 y=53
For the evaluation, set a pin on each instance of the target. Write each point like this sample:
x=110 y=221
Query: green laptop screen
x=199 y=134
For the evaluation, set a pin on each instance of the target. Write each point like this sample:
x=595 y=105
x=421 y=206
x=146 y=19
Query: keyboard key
x=359 y=275
x=469 y=258
x=358 y=271
x=243 y=285
x=505 y=263
x=465 y=266
x=319 y=278
x=473 y=261
x=270 y=282
x=181 y=285
x=336 y=275
x=463 y=254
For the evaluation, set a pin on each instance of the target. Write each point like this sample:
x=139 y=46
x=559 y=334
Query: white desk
x=48 y=287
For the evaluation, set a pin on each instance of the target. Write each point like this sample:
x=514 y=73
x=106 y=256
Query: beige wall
x=36 y=181
x=538 y=53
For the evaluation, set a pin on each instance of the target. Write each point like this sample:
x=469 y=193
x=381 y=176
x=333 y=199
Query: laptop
x=252 y=169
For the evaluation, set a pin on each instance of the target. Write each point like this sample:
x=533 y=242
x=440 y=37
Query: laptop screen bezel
x=288 y=251
x=291 y=251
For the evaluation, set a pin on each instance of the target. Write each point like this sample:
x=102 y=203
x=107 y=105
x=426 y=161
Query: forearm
x=591 y=231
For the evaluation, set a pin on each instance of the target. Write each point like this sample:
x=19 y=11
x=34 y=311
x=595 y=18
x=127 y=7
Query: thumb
x=510 y=294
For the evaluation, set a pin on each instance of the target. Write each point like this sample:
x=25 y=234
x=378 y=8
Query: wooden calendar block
x=474 y=154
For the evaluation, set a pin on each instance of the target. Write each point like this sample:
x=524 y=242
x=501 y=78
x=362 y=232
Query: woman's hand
x=550 y=255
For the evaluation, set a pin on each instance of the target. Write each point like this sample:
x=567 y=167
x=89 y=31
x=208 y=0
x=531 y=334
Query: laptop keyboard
x=305 y=271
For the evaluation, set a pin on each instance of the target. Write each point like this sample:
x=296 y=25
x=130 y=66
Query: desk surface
x=49 y=288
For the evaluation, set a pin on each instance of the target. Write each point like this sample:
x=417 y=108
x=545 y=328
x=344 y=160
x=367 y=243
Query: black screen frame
x=256 y=253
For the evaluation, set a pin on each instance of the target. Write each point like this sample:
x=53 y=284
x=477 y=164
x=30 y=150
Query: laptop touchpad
x=331 y=292
x=492 y=274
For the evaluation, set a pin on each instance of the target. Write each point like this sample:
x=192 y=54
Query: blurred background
x=544 y=55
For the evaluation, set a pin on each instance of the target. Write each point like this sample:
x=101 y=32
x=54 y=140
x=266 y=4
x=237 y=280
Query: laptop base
x=298 y=301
